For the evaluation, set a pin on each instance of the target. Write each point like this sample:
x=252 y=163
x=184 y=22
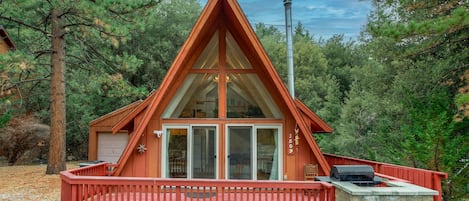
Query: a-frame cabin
x=222 y=112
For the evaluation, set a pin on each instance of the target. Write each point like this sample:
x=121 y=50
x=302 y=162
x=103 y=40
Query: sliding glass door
x=204 y=152
x=239 y=152
x=176 y=157
x=254 y=152
x=190 y=152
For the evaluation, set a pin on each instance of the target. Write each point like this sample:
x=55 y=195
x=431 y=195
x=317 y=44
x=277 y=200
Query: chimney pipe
x=289 y=34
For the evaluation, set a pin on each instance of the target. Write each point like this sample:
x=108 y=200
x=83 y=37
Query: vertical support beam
x=222 y=75
x=92 y=144
x=437 y=186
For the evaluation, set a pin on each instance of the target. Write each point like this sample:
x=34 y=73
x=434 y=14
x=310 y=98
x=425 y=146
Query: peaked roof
x=237 y=23
x=123 y=111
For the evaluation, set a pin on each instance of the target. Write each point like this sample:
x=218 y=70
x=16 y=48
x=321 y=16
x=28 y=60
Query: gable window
x=222 y=84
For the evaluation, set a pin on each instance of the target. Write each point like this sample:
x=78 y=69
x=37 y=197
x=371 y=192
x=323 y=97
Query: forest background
x=398 y=94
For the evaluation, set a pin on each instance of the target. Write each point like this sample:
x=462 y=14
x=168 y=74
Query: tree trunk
x=56 y=159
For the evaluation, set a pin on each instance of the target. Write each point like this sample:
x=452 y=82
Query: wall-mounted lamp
x=158 y=133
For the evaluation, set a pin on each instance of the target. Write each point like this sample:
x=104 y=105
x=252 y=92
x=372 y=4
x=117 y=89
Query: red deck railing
x=94 y=183
x=90 y=183
x=425 y=178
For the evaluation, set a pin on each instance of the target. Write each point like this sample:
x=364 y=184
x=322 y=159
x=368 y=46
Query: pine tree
x=51 y=23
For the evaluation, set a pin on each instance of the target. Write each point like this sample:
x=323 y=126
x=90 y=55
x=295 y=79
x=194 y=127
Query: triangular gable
x=130 y=116
x=119 y=113
x=239 y=26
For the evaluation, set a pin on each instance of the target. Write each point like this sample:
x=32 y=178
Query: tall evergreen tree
x=51 y=23
x=425 y=54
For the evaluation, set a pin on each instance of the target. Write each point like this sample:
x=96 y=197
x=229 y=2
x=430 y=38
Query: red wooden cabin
x=222 y=117
x=221 y=107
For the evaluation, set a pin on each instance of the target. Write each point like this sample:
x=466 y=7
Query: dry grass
x=29 y=182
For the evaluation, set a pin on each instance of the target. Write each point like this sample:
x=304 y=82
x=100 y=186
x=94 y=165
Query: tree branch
x=42 y=52
x=4 y=89
x=92 y=26
x=434 y=46
x=79 y=24
x=25 y=24
x=143 y=6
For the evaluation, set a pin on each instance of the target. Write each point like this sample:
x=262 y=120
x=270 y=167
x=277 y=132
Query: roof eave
x=325 y=128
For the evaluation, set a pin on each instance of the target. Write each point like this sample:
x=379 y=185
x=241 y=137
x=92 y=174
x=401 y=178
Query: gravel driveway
x=29 y=182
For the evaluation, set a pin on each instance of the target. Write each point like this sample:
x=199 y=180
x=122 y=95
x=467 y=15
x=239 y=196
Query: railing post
x=437 y=186
x=178 y=193
x=65 y=193
x=323 y=195
x=332 y=193
x=74 y=193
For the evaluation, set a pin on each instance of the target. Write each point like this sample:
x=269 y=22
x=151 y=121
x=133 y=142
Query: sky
x=322 y=18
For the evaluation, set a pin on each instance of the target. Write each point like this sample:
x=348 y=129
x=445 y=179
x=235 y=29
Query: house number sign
x=293 y=141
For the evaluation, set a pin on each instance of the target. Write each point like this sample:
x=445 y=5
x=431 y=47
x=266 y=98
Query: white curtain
x=168 y=138
x=274 y=170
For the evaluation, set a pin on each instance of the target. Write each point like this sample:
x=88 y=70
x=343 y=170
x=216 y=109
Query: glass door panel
x=267 y=154
x=239 y=152
x=177 y=153
x=204 y=152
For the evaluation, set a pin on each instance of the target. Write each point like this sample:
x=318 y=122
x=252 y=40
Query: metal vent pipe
x=289 y=34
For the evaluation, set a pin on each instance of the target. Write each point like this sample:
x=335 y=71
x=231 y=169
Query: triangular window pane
x=235 y=58
x=197 y=98
x=209 y=57
x=247 y=97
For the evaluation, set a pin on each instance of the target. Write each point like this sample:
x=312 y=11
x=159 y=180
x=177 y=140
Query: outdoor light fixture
x=158 y=133
x=141 y=148
x=216 y=79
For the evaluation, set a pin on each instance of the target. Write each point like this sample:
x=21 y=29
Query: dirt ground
x=29 y=182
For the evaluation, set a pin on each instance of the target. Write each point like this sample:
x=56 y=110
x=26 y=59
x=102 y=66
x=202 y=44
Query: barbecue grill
x=361 y=175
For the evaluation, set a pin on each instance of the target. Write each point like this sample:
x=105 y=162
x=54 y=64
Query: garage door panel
x=110 y=147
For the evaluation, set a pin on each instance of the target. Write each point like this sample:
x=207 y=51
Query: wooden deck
x=92 y=183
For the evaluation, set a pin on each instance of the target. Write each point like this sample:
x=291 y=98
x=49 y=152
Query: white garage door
x=110 y=146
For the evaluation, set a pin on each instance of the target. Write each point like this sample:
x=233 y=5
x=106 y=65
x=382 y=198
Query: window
x=247 y=98
x=253 y=152
x=197 y=98
x=203 y=94
x=190 y=151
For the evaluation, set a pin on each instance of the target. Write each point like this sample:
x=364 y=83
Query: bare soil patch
x=30 y=182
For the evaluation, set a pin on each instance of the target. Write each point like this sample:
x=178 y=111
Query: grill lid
x=360 y=173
